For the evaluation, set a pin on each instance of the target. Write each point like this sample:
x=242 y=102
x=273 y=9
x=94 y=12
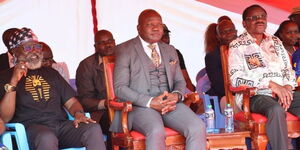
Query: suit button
x=148 y=90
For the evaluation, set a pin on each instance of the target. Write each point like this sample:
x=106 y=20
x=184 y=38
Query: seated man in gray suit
x=148 y=74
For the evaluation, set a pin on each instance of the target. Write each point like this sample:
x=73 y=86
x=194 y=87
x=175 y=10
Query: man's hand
x=20 y=70
x=158 y=103
x=80 y=117
x=170 y=102
x=284 y=94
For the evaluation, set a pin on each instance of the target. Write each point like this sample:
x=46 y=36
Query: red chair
x=133 y=139
x=256 y=123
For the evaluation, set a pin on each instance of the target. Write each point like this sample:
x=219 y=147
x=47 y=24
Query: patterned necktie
x=154 y=55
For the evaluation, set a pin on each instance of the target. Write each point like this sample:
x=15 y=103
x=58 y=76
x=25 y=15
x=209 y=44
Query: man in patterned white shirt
x=258 y=59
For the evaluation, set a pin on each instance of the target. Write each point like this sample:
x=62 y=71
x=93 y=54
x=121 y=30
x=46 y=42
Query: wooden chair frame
x=258 y=129
x=126 y=139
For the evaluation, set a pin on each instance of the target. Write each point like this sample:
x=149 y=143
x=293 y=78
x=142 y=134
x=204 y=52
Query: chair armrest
x=19 y=133
x=191 y=98
x=125 y=107
x=247 y=93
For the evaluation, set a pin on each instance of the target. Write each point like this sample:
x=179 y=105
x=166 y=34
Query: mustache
x=33 y=57
x=259 y=23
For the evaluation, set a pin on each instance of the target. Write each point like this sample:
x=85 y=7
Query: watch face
x=9 y=88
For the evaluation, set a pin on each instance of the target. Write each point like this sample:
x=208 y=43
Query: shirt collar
x=100 y=60
x=145 y=44
x=265 y=36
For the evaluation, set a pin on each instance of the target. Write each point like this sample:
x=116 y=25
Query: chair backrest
x=109 y=64
x=224 y=60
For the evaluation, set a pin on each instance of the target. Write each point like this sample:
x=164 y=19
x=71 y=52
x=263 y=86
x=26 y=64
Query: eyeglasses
x=31 y=47
x=255 y=18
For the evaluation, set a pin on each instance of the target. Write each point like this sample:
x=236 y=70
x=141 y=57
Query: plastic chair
x=219 y=117
x=6 y=140
x=17 y=130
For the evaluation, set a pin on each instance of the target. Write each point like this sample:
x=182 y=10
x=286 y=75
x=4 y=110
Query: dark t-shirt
x=40 y=96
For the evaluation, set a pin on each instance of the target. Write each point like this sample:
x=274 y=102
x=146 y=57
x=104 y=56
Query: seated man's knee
x=94 y=129
x=275 y=110
x=197 y=128
x=158 y=131
x=46 y=138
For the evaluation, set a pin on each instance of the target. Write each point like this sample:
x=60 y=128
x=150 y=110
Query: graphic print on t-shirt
x=254 y=61
x=37 y=87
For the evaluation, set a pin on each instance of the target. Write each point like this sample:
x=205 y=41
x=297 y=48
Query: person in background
x=226 y=33
x=295 y=16
x=90 y=81
x=166 y=39
x=6 y=59
x=288 y=33
x=258 y=59
x=38 y=97
x=48 y=61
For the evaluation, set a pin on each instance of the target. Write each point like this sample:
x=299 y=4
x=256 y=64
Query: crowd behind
x=35 y=89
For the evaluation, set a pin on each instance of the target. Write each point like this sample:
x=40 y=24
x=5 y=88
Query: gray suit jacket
x=131 y=75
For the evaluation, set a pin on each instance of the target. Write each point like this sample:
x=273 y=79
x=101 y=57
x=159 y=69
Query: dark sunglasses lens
x=27 y=48
x=38 y=46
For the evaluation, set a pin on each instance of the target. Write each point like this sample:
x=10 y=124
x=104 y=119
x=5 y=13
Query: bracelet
x=82 y=112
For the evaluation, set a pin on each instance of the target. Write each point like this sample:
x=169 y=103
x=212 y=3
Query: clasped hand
x=166 y=102
x=80 y=117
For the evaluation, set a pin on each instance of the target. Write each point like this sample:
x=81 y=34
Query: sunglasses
x=255 y=18
x=31 y=47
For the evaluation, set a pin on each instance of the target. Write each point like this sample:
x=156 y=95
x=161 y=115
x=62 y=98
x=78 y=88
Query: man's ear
x=138 y=27
x=244 y=24
x=280 y=35
x=17 y=51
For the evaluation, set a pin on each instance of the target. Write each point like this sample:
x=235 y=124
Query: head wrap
x=21 y=36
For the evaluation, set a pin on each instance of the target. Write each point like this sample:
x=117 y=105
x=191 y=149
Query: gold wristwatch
x=9 y=88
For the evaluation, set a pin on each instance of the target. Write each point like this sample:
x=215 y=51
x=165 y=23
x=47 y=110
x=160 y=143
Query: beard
x=34 y=60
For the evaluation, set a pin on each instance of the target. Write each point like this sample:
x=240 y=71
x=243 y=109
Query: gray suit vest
x=158 y=78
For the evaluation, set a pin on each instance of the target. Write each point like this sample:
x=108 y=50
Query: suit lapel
x=166 y=60
x=142 y=56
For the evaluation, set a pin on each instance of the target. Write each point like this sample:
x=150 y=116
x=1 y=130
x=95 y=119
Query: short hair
x=100 y=32
x=248 y=9
x=147 y=12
